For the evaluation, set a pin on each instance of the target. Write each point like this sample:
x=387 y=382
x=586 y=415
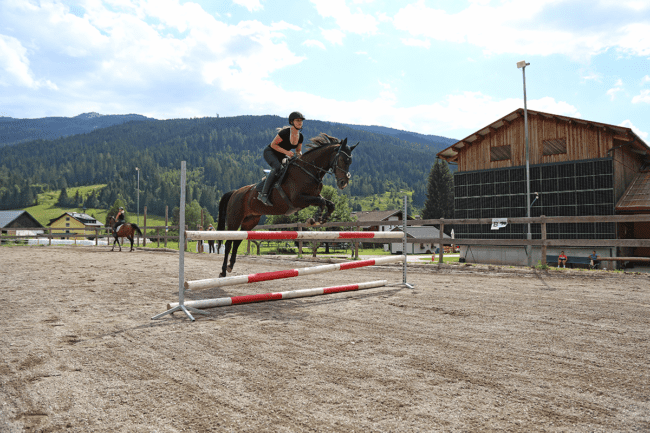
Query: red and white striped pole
x=276 y=275
x=247 y=299
x=288 y=235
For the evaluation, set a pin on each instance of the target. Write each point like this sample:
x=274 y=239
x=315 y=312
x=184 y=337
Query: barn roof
x=637 y=195
x=422 y=232
x=9 y=216
x=450 y=154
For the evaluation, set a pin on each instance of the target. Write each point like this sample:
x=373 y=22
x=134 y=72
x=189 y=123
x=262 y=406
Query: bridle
x=331 y=168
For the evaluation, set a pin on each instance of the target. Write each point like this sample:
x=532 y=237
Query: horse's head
x=341 y=164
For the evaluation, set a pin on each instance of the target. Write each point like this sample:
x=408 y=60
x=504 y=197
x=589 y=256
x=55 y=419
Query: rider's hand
x=290 y=154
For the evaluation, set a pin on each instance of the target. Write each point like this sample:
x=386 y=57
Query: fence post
x=441 y=246
x=299 y=242
x=166 y=224
x=144 y=239
x=49 y=235
x=96 y=236
x=185 y=246
x=543 y=223
x=356 y=244
x=158 y=236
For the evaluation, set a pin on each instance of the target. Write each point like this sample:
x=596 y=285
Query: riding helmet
x=295 y=115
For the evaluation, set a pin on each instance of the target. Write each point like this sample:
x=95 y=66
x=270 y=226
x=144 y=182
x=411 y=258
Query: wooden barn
x=577 y=168
x=18 y=223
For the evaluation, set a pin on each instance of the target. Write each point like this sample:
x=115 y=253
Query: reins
x=331 y=169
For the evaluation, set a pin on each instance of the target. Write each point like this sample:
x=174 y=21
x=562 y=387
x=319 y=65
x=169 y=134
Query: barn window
x=500 y=153
x=554 y=147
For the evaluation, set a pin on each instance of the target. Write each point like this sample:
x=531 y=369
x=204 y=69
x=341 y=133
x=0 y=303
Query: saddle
x=286 y=163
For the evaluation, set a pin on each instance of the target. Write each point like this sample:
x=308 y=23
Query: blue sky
x=434 y=67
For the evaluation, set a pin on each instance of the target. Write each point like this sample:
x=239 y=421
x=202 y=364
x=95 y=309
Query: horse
x=297 y=188
x=126 y=230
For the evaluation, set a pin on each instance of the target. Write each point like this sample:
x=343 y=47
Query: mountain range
x=222 y=154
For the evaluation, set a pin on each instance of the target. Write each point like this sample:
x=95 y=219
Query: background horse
x=300 y=187
x=126 y=230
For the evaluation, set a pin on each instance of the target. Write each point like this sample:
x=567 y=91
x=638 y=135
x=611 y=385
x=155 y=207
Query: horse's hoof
x=229 y=269
x=221 y=275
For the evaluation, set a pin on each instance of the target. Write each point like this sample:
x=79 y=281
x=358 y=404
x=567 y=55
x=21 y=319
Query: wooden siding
x=583 y=142
x=626 y=167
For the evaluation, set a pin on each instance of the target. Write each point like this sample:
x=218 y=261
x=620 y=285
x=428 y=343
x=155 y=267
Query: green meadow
x=46 y=210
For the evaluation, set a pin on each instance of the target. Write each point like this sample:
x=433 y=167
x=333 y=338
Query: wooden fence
x=161 y=232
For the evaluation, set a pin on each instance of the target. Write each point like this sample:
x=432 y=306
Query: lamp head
x=522 y=64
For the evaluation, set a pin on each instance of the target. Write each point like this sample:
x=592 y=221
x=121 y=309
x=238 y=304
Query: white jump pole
x=276 y=275
x=247 y=299
x=181 y=259
x=288 y=235
x=404 y=244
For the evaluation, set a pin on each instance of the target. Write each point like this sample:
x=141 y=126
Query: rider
x=283 y=145
x=119 y=218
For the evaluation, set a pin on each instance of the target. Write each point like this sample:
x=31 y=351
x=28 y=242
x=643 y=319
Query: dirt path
x=467 y=350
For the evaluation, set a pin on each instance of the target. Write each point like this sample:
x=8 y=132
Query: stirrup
x=264 y=198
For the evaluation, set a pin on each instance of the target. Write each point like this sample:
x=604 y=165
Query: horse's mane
x=321 y=140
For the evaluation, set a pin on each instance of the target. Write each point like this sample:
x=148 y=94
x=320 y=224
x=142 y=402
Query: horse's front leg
x=330 y=209
x=323 y=205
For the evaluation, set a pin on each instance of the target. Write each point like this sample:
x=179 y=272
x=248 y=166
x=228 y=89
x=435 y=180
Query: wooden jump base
x=288 y=235
x=247 y=299
x=268 y=276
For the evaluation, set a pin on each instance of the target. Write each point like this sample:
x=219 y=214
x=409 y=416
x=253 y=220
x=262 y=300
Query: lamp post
x=138 y=170
x=522 y=65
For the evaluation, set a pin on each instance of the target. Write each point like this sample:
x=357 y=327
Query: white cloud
x=314 y=43
x=334 y=36
x=637 y=131
x=14 y=66
x=251 y=5
x=593 y=77
x=348 y=21
x=644 y=96
x=129 y=57
x=618 y=87
x=412 y=42
x=645 y=79
x=543 y=27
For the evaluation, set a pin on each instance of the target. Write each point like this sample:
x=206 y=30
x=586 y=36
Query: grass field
x=47 y=210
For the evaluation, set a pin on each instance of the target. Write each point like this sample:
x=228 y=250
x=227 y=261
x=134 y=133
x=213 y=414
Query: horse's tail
x=223 y=207
x=136 y=228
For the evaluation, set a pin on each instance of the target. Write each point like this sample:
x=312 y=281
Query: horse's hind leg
x=228 y=244
x=248 y=224
x=131 y=239
x=233 y=255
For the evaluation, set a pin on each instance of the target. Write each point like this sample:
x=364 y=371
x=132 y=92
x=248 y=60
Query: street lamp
x=138 y=170
x=522 y=65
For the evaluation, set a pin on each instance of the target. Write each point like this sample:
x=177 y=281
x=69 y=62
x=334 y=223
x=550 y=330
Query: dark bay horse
x=300 y=188
x=126 y=230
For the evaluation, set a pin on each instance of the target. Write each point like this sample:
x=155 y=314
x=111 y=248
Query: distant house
x=19 y=219
x=73 y=223
x=414 y=233
x=393 y=218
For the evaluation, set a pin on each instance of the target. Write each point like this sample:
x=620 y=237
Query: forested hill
x=14 y=131
x=221 y=153
x=436 y=142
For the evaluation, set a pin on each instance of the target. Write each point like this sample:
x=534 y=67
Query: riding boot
x=270 y=180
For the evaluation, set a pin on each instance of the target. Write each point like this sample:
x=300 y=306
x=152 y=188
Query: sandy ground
x=469 y=349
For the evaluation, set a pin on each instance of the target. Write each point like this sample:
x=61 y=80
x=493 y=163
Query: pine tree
x=64 y=200
x=440 y=192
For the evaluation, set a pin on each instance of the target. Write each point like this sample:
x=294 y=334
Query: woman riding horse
x=282 y=146
x=301 y=187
